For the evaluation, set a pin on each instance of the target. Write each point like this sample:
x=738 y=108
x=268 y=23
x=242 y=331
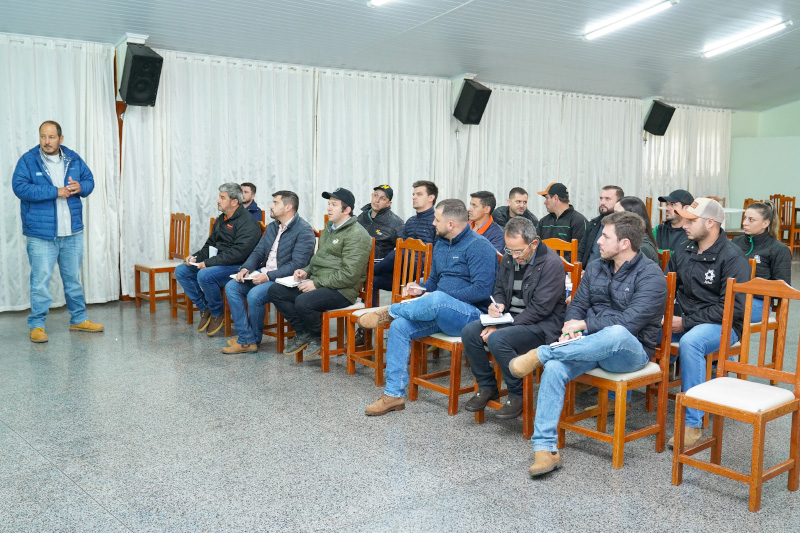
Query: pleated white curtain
x=377 y=128
x=216 y=120
x=73 y=84
x=694 y=154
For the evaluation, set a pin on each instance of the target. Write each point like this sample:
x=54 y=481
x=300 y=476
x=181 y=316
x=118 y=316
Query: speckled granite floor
x=148 y=427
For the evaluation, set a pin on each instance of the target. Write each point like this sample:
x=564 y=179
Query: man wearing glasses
x=530 y=287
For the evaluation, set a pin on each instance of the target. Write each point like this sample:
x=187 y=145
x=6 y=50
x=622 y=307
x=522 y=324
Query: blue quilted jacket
x=37 y=194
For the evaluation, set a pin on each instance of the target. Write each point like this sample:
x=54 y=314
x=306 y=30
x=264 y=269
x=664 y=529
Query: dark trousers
x=304 y=310
x=505 y=344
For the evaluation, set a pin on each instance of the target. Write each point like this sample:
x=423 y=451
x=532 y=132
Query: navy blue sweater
x=420 y=226
x=465 y=268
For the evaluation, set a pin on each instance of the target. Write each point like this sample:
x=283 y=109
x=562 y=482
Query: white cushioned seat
x=159 y=264
x=741 y=394
x=446 y=338
x=364 y=311
x=357 y=305
x=650 y=368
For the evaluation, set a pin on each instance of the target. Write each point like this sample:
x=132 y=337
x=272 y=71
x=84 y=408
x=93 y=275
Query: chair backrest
x=263 y=216
x=786 y=211
x=262 y=226
x=777 y=289
x=211 y=225
x=663 y=259
x=562 y=247
x=662 y=210
x=718 y=199
x=179 y=225
x=648 y=205
x=752 y=267
x=663 y=350
x=412 y=261
x=365 y=292
x=575 y=271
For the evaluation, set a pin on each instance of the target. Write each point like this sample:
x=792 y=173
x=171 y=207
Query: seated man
x=332 y=278
x=517 y=207
x=619 y=306
x=561 y=221
x=456 y=292
x=384 y=226
x=418 y=226
x=481 y=206
x=530 y=286
x=669 y=234
x=249 y=200
x=287 y=244
x=588 y=249
x=233 y=238
x=703 y=265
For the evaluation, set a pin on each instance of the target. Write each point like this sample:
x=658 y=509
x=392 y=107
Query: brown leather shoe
x=690 y=437
x=214 y=325
x=38 y=335
x=385 y=404
x=524 y=364
x=205 y=317
x=545 y=461
x=87 y=326
x=240 y=348
x=377 y=318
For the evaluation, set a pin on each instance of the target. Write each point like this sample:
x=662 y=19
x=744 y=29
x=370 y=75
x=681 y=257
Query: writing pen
x=578 y=331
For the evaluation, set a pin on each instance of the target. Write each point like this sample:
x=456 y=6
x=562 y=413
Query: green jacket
x=341 y=259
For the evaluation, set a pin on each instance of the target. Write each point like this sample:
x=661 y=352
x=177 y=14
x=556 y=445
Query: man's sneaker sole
x=295 y=350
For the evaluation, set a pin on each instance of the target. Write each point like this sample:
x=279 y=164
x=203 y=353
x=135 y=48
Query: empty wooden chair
x=564 y=247
x=179 y=225
x=743 y=400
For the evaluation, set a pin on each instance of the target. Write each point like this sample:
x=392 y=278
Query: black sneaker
x=359 y=340
x=511 y=409
x=313 y=348
x=295 y=345
x=479 y=401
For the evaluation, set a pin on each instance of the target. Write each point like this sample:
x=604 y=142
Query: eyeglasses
x=518 y=253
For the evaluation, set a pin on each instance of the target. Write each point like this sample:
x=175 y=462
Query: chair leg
x=677 y=448
x=325 y=351
x=527 y=407
x=480 y=416
x=621 y=404
x=173 y=297
x=152 y=291
x=137 y=287
x=567 y=411
x=379 y=357
x=417 y=350
x=661 y=414
x=717 y=429
x=455 y=380
x=602 y=418
x=351 y=347
x=757 y=466
x=794 y=452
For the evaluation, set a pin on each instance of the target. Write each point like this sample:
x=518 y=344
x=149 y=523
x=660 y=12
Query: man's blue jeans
x=423 y=316
x=42 y=256
x=249 y=320
x=693 y=346
x=202 y=286
x=613 y=349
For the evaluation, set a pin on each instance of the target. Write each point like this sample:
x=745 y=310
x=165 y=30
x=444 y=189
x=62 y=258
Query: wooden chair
x=655 y=373
x=719 y=199
x=662 y=211
x=743 y=400
x=179 y=301
x=788 y=224
x=341 y=316
x=575 y=272
x=412 y=260
x=675 y=379
x=563 y=247
x=663 y=260
x=179 y=225
x=648 y=205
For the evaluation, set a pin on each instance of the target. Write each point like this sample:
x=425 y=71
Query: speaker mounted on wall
x=658 y=118
x=140 y=75
x=472 y=102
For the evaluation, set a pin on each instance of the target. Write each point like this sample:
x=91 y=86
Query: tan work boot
x=385 y=404
x=374 y=319
x=88 y=326
x=690 y=437
x=240 y=348
x=524 y=364
x=38 y=335
x=545 y=461
x=231 y=342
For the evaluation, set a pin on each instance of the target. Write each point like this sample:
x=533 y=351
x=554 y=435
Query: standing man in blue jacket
x=50 y=180
x=456 y=292
x=287 y=244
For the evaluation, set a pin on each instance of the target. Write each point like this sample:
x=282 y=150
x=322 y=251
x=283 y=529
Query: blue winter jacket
x=33 y=186
x=294 y=249
x=465 y=268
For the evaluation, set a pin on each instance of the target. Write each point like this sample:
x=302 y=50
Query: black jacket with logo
x=570 y=225
x=668 y=237
x=234 y=238
x=773 y=258
x=385 y=228
x=501 y=216
x=700 y=292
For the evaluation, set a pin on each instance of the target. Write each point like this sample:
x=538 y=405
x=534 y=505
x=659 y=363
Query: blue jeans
x=757 y=308
x=203 y=286
x=693 y=346
x=248 y=321
x=42 y=256
x=613 y=349
x=423 y=316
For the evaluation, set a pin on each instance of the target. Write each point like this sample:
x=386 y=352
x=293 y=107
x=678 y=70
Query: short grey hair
x=234 y=190
x=521 y=227
x=454 y=209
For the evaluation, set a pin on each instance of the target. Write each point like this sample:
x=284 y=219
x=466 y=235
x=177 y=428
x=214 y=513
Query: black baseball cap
x=678 y=195
x=386 y=189
x=343 y=195
x=555 y=188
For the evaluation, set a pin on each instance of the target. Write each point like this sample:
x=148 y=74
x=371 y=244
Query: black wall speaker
x=471 y=102
x=140 y=75
x=658 y=118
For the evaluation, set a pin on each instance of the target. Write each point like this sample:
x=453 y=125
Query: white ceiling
x=531 y=43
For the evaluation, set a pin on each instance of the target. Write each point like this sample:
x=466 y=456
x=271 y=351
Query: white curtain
x=694 y=154
x=73 y=84
x=215 y=120
x=378 y=128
